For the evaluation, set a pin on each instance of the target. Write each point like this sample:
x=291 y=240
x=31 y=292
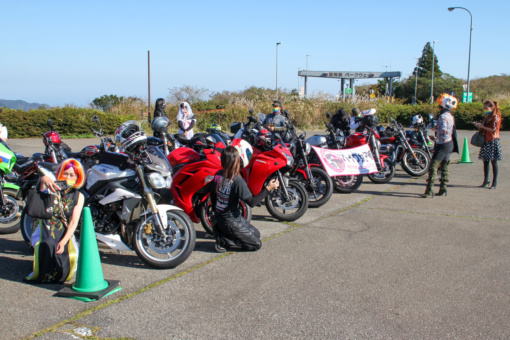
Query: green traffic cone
x=465 y=153
x=90 y=284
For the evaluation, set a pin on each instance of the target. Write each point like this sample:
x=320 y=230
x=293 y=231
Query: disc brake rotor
x=163 y=245
x=292 y=201
x=10 y=211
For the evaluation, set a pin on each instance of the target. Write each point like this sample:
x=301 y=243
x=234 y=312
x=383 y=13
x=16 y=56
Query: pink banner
x=355 y=161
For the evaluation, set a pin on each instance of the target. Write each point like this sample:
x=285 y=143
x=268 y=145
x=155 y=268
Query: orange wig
x=78 y=170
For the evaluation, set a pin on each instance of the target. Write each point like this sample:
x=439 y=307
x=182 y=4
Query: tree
x=106 y=102
x=425 y=63
x=186 y=93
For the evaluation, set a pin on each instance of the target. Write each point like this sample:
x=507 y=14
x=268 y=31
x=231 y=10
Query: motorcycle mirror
x=251 y=111
x=328 y=114
x=95 y=119
x=50 y=123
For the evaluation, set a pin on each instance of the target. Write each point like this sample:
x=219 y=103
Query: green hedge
x=68 y=122
x=76 y=122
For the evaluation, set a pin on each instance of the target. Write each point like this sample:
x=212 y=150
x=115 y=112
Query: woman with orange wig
x=55 y=250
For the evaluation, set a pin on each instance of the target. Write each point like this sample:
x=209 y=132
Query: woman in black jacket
x=159 y=110
x=227 y=191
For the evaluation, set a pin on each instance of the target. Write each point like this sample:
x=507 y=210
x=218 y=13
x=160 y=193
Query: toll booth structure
x=351 y=76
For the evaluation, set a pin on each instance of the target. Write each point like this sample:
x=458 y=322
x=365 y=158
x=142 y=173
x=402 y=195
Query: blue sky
x=70 y=52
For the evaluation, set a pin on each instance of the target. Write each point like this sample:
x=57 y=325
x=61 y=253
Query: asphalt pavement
x=378 y=263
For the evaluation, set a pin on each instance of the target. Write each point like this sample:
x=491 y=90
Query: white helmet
x=368 y=112
x=132 y=142
x=447 y=101
x=125 y=131
x=417 y=120
x=245 y=150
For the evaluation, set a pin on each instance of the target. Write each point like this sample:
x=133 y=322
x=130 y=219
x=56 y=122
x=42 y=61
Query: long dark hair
x=159 y=109
x=231 y=163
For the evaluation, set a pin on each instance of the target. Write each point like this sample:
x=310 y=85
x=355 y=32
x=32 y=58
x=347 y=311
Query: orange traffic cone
x=90 y=284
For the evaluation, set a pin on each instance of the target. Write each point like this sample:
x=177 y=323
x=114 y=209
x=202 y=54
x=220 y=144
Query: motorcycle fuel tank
x=105 y=172
x=316 y=140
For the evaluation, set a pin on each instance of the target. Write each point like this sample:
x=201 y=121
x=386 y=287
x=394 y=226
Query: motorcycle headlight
x=308 y=148
x=169 y=181
x=156 y=181
x=290 y=160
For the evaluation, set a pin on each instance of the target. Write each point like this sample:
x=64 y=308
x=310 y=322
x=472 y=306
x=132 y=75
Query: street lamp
x=278 y=43
x=306 y=77
x=416 y=81
x=469 y=57
x=433 y=62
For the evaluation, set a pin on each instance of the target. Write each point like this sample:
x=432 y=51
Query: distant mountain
x=21 y=104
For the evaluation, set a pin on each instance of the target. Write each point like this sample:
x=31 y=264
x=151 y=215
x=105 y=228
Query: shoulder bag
x=478 y=139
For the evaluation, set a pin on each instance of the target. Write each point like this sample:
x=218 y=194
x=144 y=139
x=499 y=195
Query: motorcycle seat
x=20 y=160
x=22 y=167
x=73 y=154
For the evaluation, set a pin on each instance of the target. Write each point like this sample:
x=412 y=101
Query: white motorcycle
x=120 y=194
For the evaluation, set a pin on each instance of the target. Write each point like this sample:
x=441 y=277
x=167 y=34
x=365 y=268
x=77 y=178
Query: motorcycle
x=370 y=136
x=91 y=154
x=315 y=180
x=54 y=148
x=412 y=159
x=334 y=140
x=273 y=160
x=420 y=136
x=10 y=203
x=194 y=167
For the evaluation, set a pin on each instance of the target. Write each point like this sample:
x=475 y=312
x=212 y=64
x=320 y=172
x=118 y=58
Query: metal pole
x=278 y=43
x=416 y=82
x=469 y=56
x=149 y=80
x=433 y=62
x=306 y=77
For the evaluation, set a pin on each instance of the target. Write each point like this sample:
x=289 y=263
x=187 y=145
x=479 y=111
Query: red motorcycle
x=273 y=160
x=194 y=167
x=370 y=136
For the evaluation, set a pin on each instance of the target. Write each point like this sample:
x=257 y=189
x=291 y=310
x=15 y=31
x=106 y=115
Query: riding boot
x=432 y=179
x=445 y=178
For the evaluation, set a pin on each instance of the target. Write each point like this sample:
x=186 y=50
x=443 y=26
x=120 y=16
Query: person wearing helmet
x=228 y=188
x=186 y=120
x=446 y=143
x=275 y=121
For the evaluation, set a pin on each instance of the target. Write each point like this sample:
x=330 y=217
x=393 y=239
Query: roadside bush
x=68 y=122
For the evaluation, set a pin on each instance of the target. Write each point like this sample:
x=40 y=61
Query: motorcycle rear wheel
x=323 y=187
x=385 y=175
x=208 y=220
x=10 y=224
x=413 y=167
x=293 y=207
x=165 y=254
x=347 y=184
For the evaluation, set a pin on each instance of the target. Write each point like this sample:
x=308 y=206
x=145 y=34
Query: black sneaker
x=219 y=248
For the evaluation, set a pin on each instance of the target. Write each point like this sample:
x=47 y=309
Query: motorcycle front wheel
x=170 y=250
x=208 y=220
x=288 y=208
x=418 y=167
x=27 y=225
x=10 y=214
x=323 y=190
x=385 y=175
x=347 y=184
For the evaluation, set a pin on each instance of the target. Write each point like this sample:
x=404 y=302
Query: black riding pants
x=236 y=232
